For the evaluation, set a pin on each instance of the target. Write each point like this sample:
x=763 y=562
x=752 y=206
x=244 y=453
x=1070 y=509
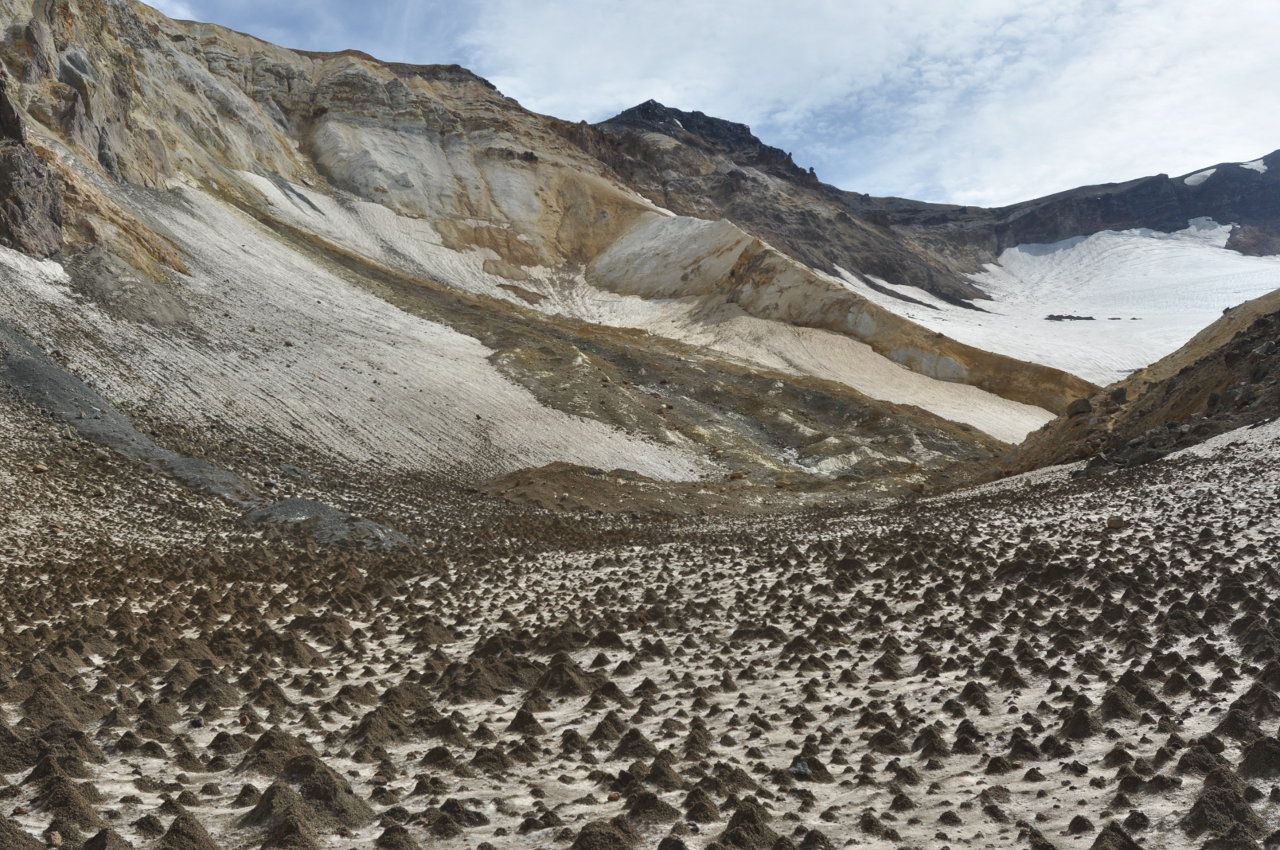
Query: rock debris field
x=1072 y=660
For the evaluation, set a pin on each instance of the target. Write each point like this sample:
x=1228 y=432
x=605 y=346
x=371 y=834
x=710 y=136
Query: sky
x=982 y=102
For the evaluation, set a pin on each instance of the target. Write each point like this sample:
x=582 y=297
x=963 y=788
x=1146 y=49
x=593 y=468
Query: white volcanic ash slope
x=665 y=276
x=276 y=342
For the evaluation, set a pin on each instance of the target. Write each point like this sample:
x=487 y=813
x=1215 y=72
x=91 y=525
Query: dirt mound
x=605 y=835
x=187 y=833
x=13 y=836
x=273 y=749
x=326 y=793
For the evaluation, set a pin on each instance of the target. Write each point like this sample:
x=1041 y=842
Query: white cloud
x=1148 y=87
x=983 y=102
x=989 y=101
x=174 y=9
x=582 y=58
x=423 y=31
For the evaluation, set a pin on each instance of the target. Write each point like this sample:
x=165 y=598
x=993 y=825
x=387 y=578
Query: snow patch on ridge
x=1257 y=165
x=1200 y=176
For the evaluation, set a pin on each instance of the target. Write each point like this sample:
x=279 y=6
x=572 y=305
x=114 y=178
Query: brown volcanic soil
x=1051 y=662
x=564 y=487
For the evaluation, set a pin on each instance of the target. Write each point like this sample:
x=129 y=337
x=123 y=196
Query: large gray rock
x=30 y=197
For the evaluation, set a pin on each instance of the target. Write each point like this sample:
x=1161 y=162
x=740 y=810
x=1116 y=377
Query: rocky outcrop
x=30 y=198
x=696 y=165
x=1227 y=377
x=1256 y=240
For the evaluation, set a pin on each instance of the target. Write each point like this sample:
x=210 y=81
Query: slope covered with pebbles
x=1053 y=661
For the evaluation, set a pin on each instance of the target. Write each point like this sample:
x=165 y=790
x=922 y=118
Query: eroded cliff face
x=706 y=167
x=280 y=256
x=150 y=100
x=144 y=101
x=31 y=208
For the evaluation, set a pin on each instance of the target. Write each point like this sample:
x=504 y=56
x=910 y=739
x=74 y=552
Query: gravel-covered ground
x=1066 y=659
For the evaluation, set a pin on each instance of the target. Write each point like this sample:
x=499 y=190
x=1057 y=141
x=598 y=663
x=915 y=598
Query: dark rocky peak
x=652 y=115
x=729 y=137
x=1265 y=169
x=31 y=207
x=1244 y=194
x=720 y=170
x=11 y=128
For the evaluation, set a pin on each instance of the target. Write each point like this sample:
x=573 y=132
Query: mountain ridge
x=388 y=466
x=1233 y=192
x=450 y=205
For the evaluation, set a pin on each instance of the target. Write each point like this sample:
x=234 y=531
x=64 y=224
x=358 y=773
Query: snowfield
x=1125 y=299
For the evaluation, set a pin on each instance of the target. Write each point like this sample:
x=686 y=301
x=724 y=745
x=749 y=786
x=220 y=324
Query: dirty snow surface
x=1119 y=301
x=777 y=346
x=1055 y=661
